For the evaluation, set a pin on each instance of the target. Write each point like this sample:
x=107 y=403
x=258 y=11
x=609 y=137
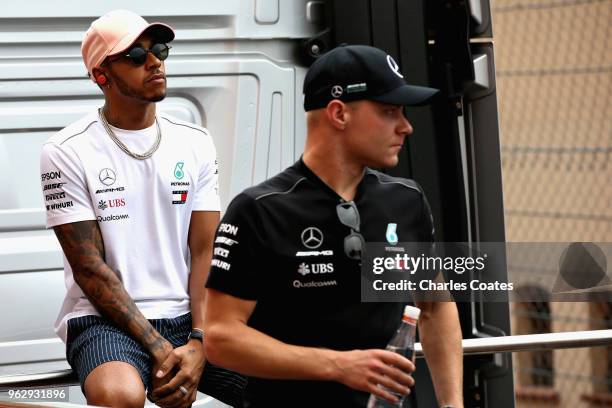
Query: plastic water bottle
x=402 y=343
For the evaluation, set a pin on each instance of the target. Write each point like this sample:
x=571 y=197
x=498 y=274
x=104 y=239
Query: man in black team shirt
x=284 y=290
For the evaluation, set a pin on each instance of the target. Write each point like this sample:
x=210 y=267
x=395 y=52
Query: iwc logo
x=312 y=237
x=107 y=177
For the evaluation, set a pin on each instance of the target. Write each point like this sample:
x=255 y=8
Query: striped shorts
x=93 y=341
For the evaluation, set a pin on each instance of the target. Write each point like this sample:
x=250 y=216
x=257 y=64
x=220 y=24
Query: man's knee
x=115 y=384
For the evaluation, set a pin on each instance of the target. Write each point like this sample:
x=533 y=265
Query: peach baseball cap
x=114 y=33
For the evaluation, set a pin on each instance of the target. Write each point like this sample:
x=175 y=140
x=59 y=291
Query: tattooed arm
x=83 y=246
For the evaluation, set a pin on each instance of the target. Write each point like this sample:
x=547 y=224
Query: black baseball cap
x=355 y=72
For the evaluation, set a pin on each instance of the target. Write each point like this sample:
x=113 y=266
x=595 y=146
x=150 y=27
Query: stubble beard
x=128 y=91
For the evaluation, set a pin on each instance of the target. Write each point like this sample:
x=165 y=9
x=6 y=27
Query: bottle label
x=409 y=320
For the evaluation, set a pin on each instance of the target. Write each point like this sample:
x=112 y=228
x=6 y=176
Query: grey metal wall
x=232 y=69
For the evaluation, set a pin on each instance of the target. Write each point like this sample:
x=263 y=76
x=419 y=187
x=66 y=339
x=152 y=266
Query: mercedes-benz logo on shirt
x=107 y=177
x=312 y=237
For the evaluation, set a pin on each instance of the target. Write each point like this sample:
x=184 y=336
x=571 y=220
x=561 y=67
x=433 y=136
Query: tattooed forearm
x=84 y=248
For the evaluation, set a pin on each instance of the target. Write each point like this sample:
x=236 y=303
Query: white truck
x=237 y=67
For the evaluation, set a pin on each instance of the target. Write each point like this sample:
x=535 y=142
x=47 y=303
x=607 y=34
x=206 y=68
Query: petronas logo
x=391 y=233
x=178 y=170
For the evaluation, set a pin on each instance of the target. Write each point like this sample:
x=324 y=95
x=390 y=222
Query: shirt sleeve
x=427 y=236
x=207 y=190
x=237 y=252
x=426 y=229
x=64 y=187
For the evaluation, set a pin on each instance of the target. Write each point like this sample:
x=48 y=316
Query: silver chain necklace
x=123 y=147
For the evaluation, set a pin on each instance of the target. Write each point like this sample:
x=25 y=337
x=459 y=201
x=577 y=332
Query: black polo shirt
x=281 y=243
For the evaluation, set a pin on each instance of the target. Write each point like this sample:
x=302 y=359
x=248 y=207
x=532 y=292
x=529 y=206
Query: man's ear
x=338 y=114
x=100 y=77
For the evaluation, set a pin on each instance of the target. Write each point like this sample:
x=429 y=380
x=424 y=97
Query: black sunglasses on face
x=354 y=243
x=138 y=54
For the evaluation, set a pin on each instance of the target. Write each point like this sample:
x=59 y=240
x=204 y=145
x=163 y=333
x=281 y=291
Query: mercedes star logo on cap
x=394 y=67
x=337 y=91
x=312 y=237
x=359 y=72
x=107 y=177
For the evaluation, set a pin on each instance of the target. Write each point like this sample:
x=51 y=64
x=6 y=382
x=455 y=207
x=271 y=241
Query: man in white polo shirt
x=132 y=196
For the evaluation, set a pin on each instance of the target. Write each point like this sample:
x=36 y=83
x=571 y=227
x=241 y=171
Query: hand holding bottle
x=401 y=343
x=365 y=370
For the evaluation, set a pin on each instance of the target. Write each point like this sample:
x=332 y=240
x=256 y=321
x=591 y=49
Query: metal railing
x=528 y=342
x=533 y=342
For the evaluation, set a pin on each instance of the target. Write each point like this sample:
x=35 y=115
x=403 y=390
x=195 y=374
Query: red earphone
x=101 y=79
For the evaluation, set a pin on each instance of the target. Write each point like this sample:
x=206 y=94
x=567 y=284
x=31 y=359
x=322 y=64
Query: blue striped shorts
x=93 y=341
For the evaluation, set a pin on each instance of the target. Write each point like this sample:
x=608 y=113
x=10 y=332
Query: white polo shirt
x=143 y=207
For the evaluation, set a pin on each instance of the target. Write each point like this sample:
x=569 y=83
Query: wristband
x=197 y=334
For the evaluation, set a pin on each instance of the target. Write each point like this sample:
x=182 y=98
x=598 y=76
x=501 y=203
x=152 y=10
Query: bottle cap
x=412 y=312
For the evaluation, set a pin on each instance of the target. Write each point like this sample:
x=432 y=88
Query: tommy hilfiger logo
x=179 y=197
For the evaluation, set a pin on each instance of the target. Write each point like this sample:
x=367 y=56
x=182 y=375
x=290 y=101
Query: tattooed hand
x=157 y=360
